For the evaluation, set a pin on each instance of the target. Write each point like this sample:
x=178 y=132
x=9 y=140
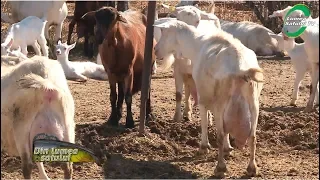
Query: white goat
x=228 y=81
x=192 y=15
x=311 y=46
x=281 y=13
x=252 y=35
x=16 y=53
x=29 y=31
x=182 y=73
x=78 y=70
x=42 y=84
x=300 y=62
x=56 y=12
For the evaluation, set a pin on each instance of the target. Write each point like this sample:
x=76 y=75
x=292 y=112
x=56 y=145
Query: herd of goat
x=215 y=60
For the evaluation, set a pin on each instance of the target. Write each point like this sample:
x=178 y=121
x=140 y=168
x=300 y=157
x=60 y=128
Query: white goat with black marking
x=300 y=62
x=78 y=70
x=228 y=80
x=35 y=99
x=29 y=31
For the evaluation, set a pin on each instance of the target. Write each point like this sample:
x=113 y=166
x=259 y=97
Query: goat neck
x=289 y=44
x=114 y=34
x=64 y=60
x=189 y=43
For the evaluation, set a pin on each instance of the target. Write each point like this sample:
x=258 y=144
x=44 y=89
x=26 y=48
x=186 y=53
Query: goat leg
x=26 y=166
x=128 y=99
x=86 y=45
x=71 y=26
x=120 y=99
x=113 y=119
x=67 y=170
x=129 y=119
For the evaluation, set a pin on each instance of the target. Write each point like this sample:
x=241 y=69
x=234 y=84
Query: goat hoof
x=113 y=120
x=220 y=171
x=227 y=151
x=293 y=103
x=252 y=170
x=112 y=123
x=129 y=122
x=177 y=118
x=204 y=148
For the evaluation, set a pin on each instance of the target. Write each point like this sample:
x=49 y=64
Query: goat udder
x=47 y=122
x=237 y=120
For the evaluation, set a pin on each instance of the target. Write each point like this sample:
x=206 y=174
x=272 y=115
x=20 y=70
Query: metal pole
x=146 y=76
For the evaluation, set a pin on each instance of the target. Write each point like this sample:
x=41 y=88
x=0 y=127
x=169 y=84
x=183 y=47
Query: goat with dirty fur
x=228 y=81
x=41 y=83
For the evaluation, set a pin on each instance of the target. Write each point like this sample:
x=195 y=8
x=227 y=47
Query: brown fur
x=126 y=54
x=122 y=39
x=85 y=28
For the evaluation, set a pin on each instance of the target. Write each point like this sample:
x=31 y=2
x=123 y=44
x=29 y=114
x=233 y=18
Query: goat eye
x=64 y=48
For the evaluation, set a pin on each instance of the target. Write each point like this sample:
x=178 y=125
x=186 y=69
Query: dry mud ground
x=287 y=144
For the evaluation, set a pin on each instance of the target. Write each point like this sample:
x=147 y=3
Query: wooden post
x=146 y=76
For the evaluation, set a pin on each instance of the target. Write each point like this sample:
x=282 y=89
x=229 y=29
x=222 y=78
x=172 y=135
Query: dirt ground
x=287 y=138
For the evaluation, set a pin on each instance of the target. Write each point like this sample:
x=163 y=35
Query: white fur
x=281 y=13
x=78 y=70
x=252 y=35
x=182 y=71
x=24 y=85
x=55 y=11
x=29 y=31
x=17 y=53
x=192 y=15
x=217 y=58
x=311 y=46
x=300 y=62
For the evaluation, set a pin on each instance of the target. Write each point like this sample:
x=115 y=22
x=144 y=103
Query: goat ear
x=275 y=36
x=196 y=5
x=59 y=42
x=72 y=46
x=121 y=18
x=275 y=14
x=170 y=8
x=89 y=15
x=208 y=16
x=162 y=25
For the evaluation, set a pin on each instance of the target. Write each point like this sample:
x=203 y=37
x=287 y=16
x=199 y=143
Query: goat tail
x=43 y=89
x=6 y=18
x=167 y=61
x=255 y=74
